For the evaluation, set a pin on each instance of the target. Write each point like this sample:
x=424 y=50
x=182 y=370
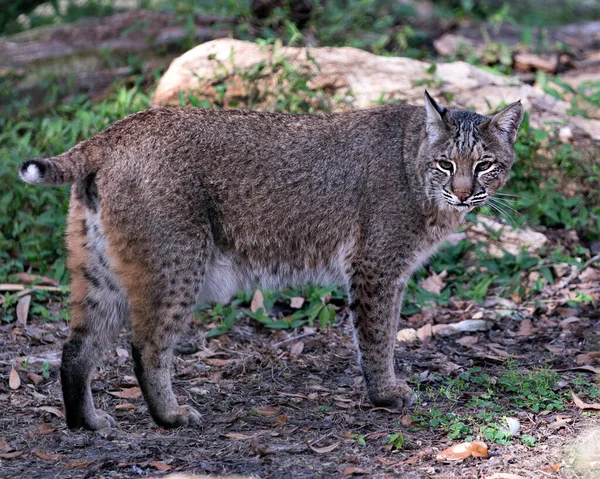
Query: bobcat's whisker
x=503 y=212
x=505 y=204
x=508 y=194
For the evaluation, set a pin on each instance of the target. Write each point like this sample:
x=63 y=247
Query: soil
x=283 y=404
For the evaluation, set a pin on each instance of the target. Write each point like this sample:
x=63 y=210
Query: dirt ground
x=291 y=404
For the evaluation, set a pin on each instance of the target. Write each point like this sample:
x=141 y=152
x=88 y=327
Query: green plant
x=531 y=389
x=274 y=84
x=359 y=438
x=495 y=433
x=537 y=182
x=46 y=369
x=396 y=440
x=458 y=430
x=34 y=217
x=455 y=425
x=220 y=316
x=527 y=440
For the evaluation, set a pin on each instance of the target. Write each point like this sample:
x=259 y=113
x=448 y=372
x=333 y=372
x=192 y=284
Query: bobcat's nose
x=462 y=195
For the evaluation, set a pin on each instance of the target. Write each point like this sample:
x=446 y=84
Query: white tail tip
x=31 y=174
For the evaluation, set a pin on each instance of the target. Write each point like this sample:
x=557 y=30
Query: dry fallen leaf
x=583 y=405
x=258 y=301
x=48 y=457
x=126 y=405
x=237 y=435
x=406 y=420
x=36 y=379
x=268 y=411
x=434 y=283
x=387 y=462
x=52 y=410
x=550 y=469
x=355 y=470
x=218 y=361
x=10 y=455
x=161 y=466
x=585 y=367
x=122 y=353
x=526 y=329
x=27 y=278
x=14 y=381
x=281 y=420
x=296 y=349
x=129 y=393
x=588 y=357
x=78 y=464
x=425 y=332
x=323 y=450
x=467 y=341
x=23 y=309
x=4 y=445
x=45 y=429
x=296 y=302
x=463 y=450
x=560 y=422
x=589 y=274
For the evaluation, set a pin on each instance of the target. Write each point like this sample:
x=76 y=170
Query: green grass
x=513 y=389
x=33 y=217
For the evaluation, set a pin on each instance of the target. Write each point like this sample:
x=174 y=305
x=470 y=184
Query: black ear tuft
x=434 y=117
x=506 y=122
x=431 y=103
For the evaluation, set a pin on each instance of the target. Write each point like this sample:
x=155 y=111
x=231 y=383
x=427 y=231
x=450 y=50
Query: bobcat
x=171 y=206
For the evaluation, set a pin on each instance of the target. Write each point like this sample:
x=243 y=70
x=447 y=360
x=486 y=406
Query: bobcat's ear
x=506 y=122
x=435 y=113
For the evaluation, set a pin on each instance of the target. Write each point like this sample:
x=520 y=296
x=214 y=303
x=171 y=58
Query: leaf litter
x=274 y=400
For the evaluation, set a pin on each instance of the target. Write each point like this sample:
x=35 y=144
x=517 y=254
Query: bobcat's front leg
x=376 y=301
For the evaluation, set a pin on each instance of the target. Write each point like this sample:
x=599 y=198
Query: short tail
x=58 y=170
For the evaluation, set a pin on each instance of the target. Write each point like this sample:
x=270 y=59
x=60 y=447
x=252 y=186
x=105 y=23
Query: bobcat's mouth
x=462 y=207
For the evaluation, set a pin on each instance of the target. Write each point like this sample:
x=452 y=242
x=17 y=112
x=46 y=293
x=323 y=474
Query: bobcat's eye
x=483 y=166
x=446 y=165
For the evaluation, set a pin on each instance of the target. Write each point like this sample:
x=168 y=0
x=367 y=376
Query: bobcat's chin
x=445 y=205
x=463 y=208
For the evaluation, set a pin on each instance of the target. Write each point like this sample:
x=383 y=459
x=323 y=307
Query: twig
x=590 y=261
x=28 y=287
x=289 y=340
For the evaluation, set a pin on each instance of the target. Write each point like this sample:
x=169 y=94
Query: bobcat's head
x=468 y=156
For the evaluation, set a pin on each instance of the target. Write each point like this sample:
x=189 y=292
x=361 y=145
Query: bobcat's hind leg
x=160 y=307
x=98 y=309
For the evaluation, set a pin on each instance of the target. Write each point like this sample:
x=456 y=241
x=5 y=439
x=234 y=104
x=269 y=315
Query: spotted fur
x=171 y=206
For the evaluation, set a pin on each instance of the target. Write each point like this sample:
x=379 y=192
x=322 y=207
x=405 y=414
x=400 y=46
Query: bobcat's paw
x=180 y=416
x=97 y=419
x=399 y=397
